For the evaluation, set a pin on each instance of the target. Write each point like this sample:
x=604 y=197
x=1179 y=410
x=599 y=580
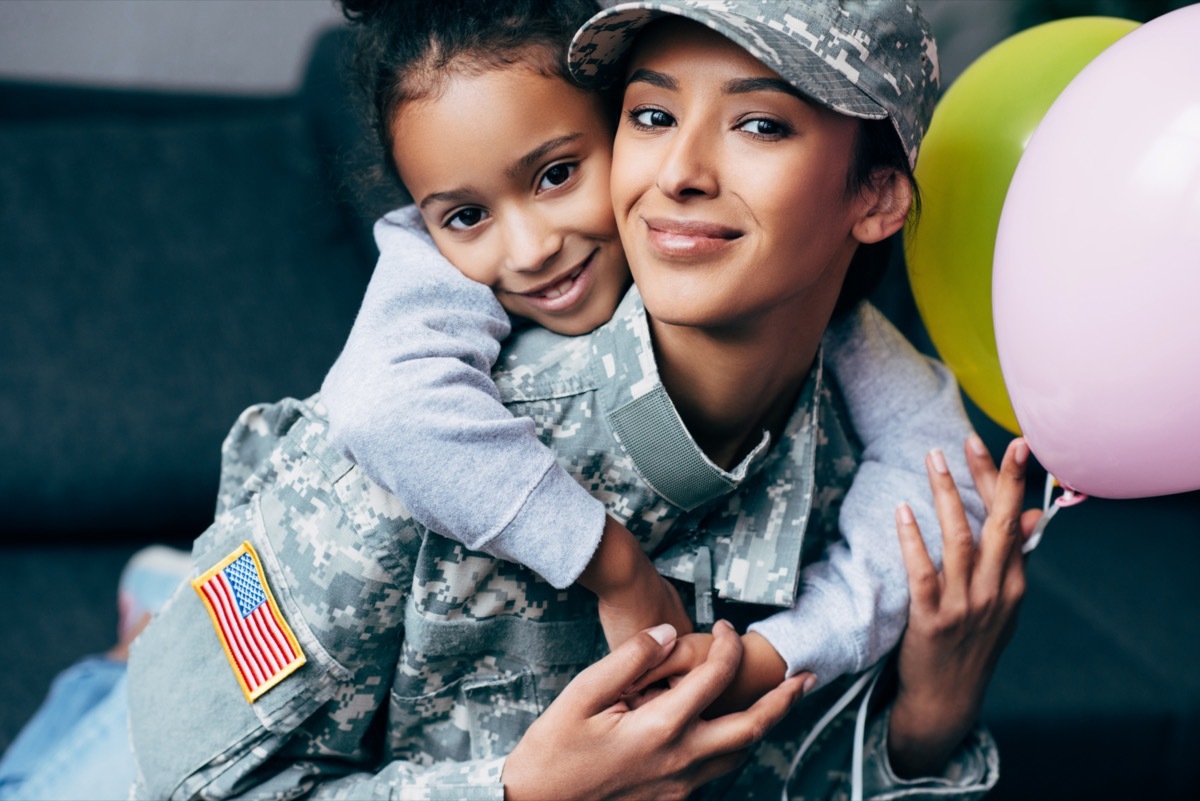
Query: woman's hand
x=961 y=618
x=591 y=744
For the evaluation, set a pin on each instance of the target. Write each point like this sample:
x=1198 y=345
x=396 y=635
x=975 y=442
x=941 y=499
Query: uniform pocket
x=498 y=713
x=469 y=689
x=475 y=717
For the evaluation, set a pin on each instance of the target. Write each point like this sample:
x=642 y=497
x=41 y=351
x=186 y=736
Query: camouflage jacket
x=413 y=402
x=407 y=666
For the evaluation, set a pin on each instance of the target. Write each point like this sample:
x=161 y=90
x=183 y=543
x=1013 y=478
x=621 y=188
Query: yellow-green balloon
x=978 y=133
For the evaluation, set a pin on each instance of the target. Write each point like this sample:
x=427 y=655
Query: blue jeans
x=77 y=744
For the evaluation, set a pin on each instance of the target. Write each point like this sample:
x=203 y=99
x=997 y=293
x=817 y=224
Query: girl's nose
x=532 y=242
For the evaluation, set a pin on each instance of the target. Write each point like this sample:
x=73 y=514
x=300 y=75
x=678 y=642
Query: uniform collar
x=645 y=420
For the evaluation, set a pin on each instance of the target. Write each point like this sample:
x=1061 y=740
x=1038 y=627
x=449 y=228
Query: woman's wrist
x=516 y=777
x=923 y=734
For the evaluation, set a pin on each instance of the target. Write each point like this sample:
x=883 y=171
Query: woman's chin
x=685 y=315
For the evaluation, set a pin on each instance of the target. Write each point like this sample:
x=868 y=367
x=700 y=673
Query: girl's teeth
x=560 y=289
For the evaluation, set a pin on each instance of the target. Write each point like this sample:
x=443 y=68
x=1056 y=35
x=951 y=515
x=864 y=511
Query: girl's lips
x=683 y=238
x=565 y=293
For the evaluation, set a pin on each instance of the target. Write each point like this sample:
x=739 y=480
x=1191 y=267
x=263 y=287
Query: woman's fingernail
x=724 y=624
x=939 y=461
x=975 y=443
x=809 y=683
x=904 y=515
x=663 y=633
x=1021 y=452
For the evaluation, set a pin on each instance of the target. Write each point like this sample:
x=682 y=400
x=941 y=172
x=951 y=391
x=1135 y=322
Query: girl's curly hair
x=406 y=49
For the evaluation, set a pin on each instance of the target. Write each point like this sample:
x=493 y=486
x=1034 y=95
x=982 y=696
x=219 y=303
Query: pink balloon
x=1096 y=279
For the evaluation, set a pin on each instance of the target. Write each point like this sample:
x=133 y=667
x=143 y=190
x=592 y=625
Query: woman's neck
x=730 y=384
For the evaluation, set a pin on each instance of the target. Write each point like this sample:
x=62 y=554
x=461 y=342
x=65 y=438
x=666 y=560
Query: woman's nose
x=688 y=168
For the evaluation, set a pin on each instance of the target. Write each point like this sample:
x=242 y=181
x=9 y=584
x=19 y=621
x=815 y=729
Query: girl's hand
x=961 y=618
x=761 y=670
x=590 y=744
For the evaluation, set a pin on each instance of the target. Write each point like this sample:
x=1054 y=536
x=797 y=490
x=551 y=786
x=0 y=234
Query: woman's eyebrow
x=654 y=79
x=737 y=86
x=741 y=86
x=538 y=153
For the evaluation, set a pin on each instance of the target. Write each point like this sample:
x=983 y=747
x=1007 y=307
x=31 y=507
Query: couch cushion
x=160 y=275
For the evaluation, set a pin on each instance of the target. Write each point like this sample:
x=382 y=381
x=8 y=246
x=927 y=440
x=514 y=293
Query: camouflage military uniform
x=425 y=662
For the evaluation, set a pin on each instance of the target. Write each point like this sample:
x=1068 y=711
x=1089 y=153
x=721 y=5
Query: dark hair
x=405 y=50
x=878 y=151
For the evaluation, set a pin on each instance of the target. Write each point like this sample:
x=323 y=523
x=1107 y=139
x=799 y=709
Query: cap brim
x=599 y=47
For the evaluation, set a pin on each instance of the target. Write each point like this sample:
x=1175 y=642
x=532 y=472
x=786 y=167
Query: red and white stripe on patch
x=256 y=638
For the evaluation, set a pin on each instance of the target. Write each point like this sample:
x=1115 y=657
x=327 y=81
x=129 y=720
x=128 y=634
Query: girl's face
x=729 y=188
x=510 y=170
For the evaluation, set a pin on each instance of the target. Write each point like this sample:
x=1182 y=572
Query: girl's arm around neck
x=411 y=400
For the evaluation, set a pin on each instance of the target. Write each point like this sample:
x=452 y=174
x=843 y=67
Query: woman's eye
x=557 y=175
x=465 y=219
x=651 y=118
x=760 y=126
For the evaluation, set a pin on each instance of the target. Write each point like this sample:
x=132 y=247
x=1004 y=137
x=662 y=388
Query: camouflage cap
x=872 y=59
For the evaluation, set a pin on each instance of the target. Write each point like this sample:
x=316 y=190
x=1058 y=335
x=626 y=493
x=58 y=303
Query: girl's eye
x=465 y=219
x=557 y=175
x=766 y=128
x=651 y=118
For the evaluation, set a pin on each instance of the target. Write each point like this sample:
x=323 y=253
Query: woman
x=425 y=664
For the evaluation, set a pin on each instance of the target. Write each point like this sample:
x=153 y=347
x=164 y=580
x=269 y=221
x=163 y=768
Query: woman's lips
x=564 y=293
x=682 y=238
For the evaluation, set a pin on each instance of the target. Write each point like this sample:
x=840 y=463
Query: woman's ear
x=886 y=202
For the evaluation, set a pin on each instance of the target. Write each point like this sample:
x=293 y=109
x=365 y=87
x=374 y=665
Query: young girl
x=528 y=217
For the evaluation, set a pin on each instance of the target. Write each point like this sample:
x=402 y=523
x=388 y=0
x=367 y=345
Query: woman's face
x=729 y=188
x=510 y=170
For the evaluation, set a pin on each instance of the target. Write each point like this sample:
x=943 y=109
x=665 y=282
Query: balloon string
x=1050 y=507
x=1036 y=537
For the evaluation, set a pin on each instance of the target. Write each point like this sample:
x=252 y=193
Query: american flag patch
x=260 y=646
